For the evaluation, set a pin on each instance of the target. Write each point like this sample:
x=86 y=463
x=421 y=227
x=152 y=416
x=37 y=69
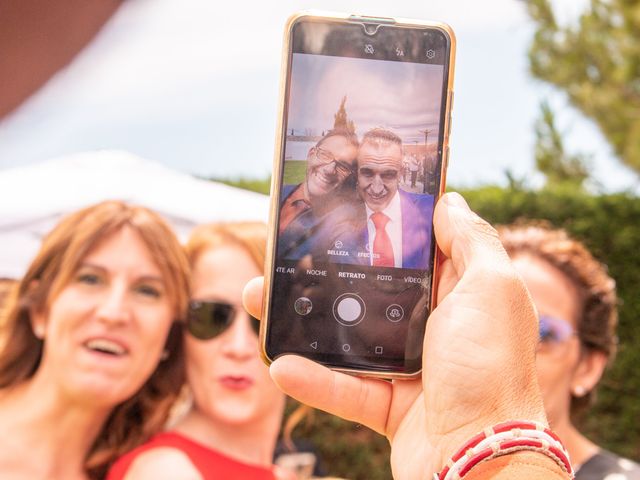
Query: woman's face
x=558 y=361
x=230 y=384
x=105 y=331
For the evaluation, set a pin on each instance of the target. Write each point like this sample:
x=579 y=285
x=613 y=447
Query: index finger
x=363 y=400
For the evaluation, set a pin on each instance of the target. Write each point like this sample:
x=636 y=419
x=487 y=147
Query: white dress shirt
x=393 y=229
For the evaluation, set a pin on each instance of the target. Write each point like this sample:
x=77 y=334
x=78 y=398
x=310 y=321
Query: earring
x=38 y=330
x=579 y=391
x=164 y=355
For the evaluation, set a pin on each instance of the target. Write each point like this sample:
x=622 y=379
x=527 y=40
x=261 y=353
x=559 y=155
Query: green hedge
x=610 y=227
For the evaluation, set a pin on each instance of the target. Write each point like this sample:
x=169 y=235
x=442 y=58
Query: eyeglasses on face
x=326 y=157
x=208 y=319
x=553 y=331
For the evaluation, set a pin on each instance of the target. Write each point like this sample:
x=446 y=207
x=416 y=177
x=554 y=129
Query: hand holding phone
x=479 y=362
x=360 y=162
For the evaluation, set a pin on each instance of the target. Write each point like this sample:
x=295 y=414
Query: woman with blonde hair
x=231 y=428
x=91 y=364
x=577 y=307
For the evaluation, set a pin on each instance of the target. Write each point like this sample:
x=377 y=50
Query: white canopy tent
x=35 y=197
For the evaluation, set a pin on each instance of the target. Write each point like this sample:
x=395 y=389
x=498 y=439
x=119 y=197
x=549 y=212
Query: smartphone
x=361 y=155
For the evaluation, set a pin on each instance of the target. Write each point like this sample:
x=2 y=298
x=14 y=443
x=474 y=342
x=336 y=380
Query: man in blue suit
x=388 y=227
x=304 y=207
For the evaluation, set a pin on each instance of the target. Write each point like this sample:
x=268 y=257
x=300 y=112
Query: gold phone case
x=276 y=184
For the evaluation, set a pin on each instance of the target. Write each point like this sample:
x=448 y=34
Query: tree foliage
x=597 y=63
x=558 y=166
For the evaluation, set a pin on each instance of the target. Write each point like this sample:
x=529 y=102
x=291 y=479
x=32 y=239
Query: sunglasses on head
x=554 y=330
x=207 y=320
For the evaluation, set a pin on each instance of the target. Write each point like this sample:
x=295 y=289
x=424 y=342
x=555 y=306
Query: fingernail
x=454 y=199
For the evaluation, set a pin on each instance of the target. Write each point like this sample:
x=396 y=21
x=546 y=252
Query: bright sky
x=194 y=84
x=402 y=96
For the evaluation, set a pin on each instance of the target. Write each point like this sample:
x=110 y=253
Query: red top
x=212 y=465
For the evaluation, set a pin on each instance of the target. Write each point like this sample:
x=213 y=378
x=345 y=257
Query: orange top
x=294 y=205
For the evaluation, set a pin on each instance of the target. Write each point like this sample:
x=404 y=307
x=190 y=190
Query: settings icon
x=430 y=54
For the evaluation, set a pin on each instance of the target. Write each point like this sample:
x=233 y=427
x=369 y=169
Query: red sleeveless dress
x=212 y=465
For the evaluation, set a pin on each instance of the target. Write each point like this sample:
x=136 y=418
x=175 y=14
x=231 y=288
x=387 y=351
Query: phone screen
x=363 y=150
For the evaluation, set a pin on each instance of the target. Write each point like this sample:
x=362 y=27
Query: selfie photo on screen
x=359 y=171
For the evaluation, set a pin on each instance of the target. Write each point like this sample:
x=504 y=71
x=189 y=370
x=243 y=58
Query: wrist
x=447 y=442
x=505 y=439
x=523 y=464
x=449 y=429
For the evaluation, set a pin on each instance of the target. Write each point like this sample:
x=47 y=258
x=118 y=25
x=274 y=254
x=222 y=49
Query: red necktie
x=382 y=248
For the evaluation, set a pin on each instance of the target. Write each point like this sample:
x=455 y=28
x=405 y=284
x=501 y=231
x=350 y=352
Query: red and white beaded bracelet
x=502 y=439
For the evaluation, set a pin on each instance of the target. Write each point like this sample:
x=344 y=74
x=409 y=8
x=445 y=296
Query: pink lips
x=233 y=382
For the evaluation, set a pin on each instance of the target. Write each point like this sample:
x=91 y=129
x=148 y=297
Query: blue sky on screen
x=194 y=85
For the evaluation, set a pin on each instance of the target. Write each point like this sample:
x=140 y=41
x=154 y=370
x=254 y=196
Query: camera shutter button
x=349 y=309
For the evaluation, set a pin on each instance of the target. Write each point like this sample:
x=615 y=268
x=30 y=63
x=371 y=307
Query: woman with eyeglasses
x=91 y=363
x=577 y=306
x=231 y=428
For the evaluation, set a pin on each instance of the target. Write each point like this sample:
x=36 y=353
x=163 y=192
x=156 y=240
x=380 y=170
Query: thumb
x=464 y=237
x=252 y=297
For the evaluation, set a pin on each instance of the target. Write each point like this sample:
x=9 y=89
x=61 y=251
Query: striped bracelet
x=502 y=439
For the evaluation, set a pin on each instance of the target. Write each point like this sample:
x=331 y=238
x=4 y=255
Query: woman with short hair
x=577 y=307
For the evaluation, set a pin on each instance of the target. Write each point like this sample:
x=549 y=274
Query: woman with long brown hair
x=91 y=364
